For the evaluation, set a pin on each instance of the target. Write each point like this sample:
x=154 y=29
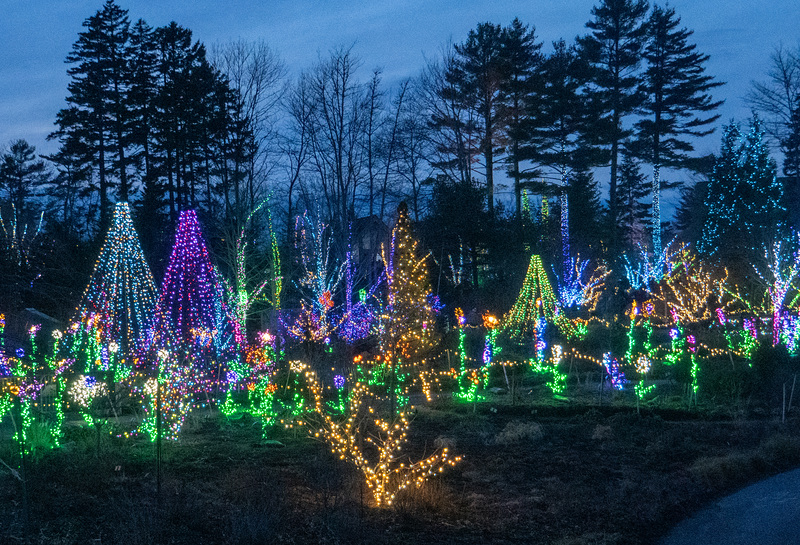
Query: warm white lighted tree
x=372 y=443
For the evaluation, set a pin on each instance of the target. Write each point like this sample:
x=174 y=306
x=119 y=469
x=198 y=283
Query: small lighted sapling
x=742 y=340
x=614 y=372
x=358 y=319
x=320 y=277
x=22 y=389
x=262 y=360
x=557 y=381
x=647 y=267
x=581 y=286
x=167 y=397
x=640 y=347
x=371 y=442
x=472 y=381
x=683 y=350
x=695 y=289
x=85 y=392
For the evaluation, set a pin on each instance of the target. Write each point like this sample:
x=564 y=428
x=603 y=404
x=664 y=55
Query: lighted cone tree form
x=121 y=296
x=536 y=302
x=193 y=334
x=191 y=310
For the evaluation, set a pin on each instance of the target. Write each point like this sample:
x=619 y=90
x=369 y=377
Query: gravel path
x=765 y=513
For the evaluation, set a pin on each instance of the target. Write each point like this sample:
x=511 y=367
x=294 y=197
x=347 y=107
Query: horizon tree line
x=155 y=118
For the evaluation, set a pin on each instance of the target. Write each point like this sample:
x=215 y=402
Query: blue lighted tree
x=744 y=208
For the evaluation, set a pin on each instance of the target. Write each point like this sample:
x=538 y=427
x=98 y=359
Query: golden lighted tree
x=409 y=333
x=372 y=443
x=695 y=290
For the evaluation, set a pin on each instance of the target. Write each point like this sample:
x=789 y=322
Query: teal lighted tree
x=121 y=296
x=743 y=209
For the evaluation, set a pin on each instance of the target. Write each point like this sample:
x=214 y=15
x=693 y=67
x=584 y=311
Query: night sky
x=36 y=35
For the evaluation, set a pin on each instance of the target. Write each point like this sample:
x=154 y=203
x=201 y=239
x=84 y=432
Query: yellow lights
x=695 y=290
x=643 y=365
x=163 y=354
x=490 y=321
x=372 y=444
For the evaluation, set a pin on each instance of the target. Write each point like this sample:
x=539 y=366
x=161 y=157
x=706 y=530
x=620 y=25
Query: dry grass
x=516 y=432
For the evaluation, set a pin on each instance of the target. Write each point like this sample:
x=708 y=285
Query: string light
x=191 y=303
x=372 y=443
x=121 y=296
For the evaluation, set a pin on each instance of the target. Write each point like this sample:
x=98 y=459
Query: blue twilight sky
x=396 y=35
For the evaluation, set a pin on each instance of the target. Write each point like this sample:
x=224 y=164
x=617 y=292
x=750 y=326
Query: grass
x=533 y=472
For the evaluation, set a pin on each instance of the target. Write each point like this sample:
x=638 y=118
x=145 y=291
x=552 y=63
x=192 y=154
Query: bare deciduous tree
x=256 y=72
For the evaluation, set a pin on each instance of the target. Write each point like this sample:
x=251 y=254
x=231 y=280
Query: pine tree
x=22 y=175
x=790 y=145
x=586 y=213
x=141 y=106
x=614 y=50
x=481 y=62
x=690 y=216
x=558 y=139
x=677 y=91
x=96 y=114
x=723 y=208
x=452 y=118
x=631 y=191
x=763 y=195
x=744 y=210
x=520 y=94
x=190 y=121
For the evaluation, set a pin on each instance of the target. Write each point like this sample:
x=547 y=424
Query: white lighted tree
x=783 y=267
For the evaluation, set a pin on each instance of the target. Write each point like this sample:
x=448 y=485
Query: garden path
x=765 y=513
